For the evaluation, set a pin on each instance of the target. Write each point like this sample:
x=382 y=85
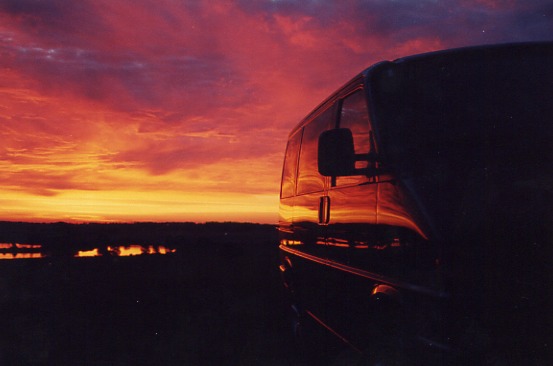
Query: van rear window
x=471 y=108
x=288 y=187
x=309 y=179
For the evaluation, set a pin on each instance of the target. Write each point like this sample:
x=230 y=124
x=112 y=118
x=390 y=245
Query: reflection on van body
x=416 y=209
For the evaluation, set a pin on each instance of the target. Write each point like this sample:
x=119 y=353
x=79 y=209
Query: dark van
x=416 y=210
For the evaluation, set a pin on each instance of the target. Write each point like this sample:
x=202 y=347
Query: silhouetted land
x=216 y=301
x=63 y=239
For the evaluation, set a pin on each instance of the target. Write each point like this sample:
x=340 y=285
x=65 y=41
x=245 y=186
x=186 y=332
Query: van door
x=310 y=218
x=351 y=229
x=311 y=211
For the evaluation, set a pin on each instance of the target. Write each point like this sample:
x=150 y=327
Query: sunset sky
x=173 y=110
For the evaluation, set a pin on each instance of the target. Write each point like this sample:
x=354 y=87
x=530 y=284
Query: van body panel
x=441 y=238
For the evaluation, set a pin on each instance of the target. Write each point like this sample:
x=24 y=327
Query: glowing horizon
x=120 y=111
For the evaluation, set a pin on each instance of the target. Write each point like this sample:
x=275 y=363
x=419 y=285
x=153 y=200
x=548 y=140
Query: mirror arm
x=369 y=157
x=369 y=172
x=362 y=157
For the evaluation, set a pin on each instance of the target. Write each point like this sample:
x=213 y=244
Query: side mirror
x=336 y=154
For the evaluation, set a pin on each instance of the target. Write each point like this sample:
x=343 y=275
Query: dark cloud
x=54 y=21
x=533 y=22
x=31 y=8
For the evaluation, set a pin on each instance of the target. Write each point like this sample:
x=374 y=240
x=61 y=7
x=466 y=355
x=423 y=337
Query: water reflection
x=18 y=246
x=18 y=255
x=24 y=251
x=127 y=251
x=20 y=251
x=88 y=253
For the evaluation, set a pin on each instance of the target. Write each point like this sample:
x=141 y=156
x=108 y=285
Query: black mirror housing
x=336 y=153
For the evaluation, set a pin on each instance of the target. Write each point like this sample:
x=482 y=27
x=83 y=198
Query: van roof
x=469 y=51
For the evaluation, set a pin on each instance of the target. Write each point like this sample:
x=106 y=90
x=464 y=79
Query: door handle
x=324 y=210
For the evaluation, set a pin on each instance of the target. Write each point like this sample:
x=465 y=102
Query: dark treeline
x=62 y=237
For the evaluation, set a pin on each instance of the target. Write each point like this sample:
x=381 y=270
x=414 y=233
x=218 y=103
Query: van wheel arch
x=387 y=310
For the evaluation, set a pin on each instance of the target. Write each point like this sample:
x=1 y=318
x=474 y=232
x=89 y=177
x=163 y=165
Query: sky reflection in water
x=24 y=251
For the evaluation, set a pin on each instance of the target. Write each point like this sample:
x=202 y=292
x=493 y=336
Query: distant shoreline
x=65 y=239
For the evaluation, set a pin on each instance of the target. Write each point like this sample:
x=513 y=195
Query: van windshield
x=479 y=108
x=450 y=120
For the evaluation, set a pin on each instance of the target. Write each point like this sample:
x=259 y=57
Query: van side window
x=309 y=179
x=355 y=116
x=290 y=166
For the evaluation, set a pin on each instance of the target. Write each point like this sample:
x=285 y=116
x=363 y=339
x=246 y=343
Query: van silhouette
x=416 y=210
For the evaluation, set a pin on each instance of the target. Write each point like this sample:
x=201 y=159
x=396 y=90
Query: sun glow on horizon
x=129 y=206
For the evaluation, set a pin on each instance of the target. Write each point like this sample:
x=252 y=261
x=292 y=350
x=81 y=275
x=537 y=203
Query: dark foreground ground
x=214 y=303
